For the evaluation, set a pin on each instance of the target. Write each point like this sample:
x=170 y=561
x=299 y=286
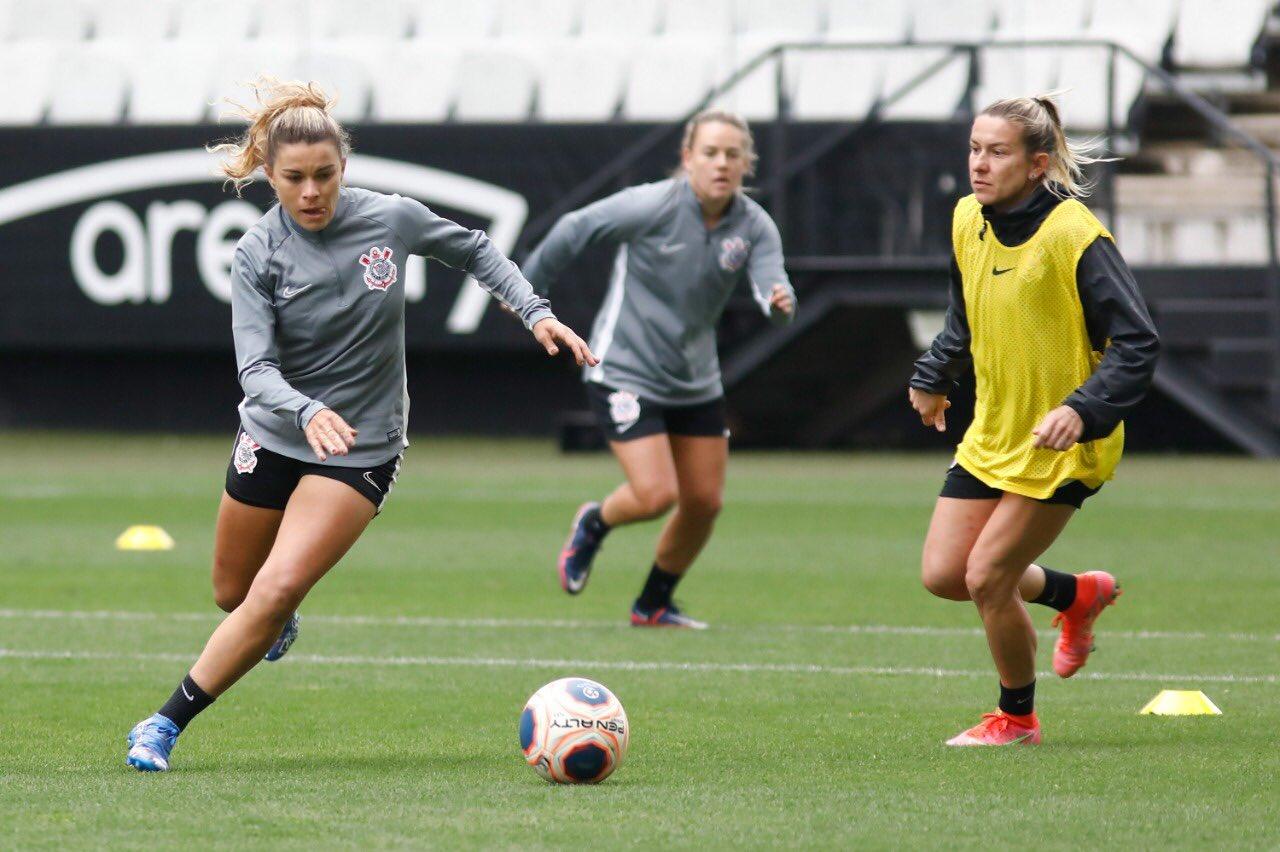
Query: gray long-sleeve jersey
x=318 y=317
x=655 y=334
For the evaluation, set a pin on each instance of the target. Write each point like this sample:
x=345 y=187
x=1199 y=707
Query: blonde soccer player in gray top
x=318 y=321
x=684 y=244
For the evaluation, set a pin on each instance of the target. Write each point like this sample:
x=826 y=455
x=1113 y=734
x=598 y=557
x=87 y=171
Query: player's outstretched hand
x=551 y=332
x=1059 y=430
x=780 y=300
x=327 y=433
x=932 y=407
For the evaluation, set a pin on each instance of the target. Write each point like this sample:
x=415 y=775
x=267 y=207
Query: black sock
x=187 y=700
x=594 y=522
x=1020 y=701
x=1059 y=590
x=657 y=589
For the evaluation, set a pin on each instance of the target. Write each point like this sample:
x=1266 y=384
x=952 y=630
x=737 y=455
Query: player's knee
x=986 y=582
x=657 y=499
x=227 y=598
x=943 y=583
x=702 y=504
x=278 y=595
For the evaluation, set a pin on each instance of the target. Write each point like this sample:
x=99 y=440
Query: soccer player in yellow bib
x=1062 y=347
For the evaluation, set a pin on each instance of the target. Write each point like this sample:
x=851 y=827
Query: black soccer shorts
x=625 y=416
x=963 y=485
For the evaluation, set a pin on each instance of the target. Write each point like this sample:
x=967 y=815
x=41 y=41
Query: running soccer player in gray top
x=318 y=321
x=684 y=245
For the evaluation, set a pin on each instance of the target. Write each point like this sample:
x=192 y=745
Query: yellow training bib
x=1030 y=349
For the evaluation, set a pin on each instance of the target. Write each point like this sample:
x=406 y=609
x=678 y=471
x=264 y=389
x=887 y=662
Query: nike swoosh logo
x=290 y=292
x=368 y=477
x=672 y=249
x=190 y=697
x=995 y=270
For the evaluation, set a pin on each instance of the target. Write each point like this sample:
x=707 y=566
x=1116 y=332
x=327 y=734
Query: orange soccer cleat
x=1000 y=729
x=1095 y=591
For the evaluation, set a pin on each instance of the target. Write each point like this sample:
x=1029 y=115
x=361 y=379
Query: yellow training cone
x=143 y=537
x=1181 y=702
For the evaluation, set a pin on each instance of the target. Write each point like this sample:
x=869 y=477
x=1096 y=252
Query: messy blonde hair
x=1041 y=125
x=286 y=111
x=709 y=116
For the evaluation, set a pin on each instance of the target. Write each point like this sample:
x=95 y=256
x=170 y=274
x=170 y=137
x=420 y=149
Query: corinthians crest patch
x=379 y=271
x=246 y=455
x=624 y=409
x=733 y=253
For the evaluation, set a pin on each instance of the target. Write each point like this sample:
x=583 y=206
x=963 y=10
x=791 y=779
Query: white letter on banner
x=164 y=220
x=129 y=283
x=214 y=251
x=415 y=278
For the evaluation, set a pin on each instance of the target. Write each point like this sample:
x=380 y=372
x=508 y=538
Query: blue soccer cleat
x=150 y=742
x=665 y=616
x=287 y=637
x=579 y=550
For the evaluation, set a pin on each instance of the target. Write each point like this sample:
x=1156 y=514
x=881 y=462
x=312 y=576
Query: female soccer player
x=1062 y=346
x=684 y=244
x=318 y=322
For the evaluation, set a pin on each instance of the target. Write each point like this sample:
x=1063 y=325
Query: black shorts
x=625 y=416
x=258 y=477
x=963 y=485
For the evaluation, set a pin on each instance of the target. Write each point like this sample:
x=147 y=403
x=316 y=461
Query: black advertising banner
x=121 y=237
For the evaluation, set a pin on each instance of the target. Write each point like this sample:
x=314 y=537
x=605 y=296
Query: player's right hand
x=932 y=407
x=327 y=433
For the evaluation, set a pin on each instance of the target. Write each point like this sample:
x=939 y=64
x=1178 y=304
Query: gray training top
x=655 y=335
x=318 y=317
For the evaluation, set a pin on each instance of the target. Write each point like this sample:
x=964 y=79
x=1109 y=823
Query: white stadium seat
x=288 y=21
x=543 y=18
x=342 y=70
x=25 y=68
x=145 y=21
x=88 y=85
x=1061 y=19
x=669 y=76
x=241 y=64
x=867 y=20
x=415 y=81
x=836 y=85
x=698 y=18
x=626 y=18
x=439 y=19
x=795 y=18
x=496 y=82
x=1141 y=25
x=1082 y=73
x=936 y=97
x=229 y=21
x=755 y=96
x=49 y=20
x=1219 y=34
x=951 y=20
x=1010 y=72
x=169 y=83
x=378 y=19
x=582 y=80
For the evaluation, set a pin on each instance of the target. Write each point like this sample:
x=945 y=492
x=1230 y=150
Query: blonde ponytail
x=286 y=112
x=1041 y=125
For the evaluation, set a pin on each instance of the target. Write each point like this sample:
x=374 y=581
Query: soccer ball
x=574 y=731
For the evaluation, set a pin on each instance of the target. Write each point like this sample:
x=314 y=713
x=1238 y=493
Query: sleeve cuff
x=1090 y=432
x=537 y=316
x=311 y=410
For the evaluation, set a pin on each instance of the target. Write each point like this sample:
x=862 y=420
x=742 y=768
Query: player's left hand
x=550 y=332
x=780 y=300
x=1059 y=430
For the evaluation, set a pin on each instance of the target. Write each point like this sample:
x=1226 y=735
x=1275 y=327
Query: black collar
x=1014 y=227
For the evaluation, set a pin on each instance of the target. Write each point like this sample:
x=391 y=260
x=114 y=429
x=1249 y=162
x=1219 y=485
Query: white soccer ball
x=574 y=731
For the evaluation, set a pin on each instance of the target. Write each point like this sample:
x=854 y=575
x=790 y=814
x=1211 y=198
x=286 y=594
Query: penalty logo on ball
x=379 y=271
x=574 y=731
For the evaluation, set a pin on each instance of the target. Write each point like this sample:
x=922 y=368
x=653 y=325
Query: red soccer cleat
x=1095 y=591
x=1000 y=729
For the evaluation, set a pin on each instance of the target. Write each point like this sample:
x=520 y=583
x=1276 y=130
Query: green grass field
x=811 y=715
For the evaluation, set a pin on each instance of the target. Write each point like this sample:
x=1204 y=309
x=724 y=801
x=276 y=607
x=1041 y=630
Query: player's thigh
x=700 y=463
x=953 y=530
x=324 y=518
x=648 y=465
x=243 y=536
x=1018 y=532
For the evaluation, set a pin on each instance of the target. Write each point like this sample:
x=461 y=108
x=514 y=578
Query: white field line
x=573 y=624
x=642 y=666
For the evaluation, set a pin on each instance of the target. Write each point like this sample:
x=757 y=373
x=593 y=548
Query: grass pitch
x=811 y=715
